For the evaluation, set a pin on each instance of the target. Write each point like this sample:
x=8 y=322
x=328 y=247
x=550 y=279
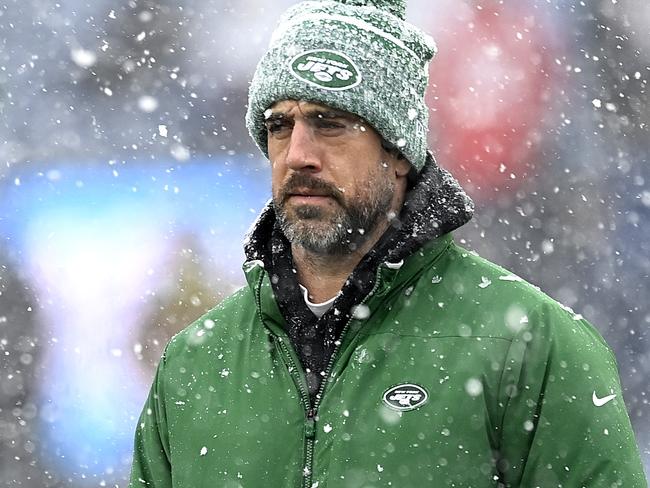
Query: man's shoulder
x=468 y=274
x=498 y=302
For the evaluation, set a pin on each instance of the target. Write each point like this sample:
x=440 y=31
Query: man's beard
x=339 y=230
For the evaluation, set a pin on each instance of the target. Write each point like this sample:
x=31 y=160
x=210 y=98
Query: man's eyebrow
x=276 y=116
x=312 y=114
x=328 y=113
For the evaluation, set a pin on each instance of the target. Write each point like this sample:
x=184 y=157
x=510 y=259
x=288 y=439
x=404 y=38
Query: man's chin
x=311 y=226
x=310 y=214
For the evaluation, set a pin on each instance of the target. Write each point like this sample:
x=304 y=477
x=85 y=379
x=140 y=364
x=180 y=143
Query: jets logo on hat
x=330 y=70
x=405 y=397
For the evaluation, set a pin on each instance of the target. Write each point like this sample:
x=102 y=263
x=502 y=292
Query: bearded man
x=368 y=349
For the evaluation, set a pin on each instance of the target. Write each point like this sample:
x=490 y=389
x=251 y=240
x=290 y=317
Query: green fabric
x=509 y=373
x=390 y=55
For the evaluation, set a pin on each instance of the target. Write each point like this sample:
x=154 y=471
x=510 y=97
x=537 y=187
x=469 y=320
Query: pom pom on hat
x=395 y=7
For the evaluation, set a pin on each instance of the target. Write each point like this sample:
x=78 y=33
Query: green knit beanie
x=354 y=55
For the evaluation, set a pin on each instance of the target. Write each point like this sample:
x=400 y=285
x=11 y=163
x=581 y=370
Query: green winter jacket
x=453 y=372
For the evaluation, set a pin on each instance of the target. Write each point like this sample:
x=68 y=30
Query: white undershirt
x=318 y=309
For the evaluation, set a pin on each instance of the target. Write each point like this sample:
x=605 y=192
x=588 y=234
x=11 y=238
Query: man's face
x=333 y=183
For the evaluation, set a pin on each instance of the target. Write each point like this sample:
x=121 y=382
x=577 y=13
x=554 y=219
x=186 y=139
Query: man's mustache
x=301 y=181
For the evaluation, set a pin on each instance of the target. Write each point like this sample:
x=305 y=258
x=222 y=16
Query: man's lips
x=309 y=193
x=309 y=197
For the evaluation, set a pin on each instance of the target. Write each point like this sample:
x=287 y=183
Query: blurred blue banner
x=95 y=243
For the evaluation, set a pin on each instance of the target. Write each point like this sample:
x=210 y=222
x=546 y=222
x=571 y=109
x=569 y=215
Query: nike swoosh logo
x=599 y=402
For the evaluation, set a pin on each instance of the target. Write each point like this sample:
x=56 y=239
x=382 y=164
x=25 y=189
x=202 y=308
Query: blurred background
x=128 y=180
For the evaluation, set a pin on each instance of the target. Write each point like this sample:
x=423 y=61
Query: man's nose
x=304 y=150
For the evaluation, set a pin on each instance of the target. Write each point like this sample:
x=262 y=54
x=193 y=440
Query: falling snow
x=485 y=282
x=147 y=103
x=128 y=180
x=361 y=312
x=83 y=57
x=473 y=387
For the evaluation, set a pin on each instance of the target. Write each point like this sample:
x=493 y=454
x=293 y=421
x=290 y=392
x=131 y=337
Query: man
x=368 y=349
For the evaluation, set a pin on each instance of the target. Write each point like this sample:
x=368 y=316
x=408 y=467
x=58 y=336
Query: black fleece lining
x=434 y=206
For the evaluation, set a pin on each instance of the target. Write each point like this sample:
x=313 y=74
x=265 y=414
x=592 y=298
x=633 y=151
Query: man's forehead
x=294 y=107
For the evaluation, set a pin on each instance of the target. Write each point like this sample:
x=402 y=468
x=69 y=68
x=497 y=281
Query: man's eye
x=330 y=124
x=277 y=127
x=330 y=127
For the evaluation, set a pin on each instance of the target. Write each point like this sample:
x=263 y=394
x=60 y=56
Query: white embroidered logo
x=330 y=70
x=599 y=402
x=405 y=397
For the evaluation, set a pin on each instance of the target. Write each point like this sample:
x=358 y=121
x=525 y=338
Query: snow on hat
x=359 y=56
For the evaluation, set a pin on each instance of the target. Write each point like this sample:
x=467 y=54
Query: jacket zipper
x=311 y=411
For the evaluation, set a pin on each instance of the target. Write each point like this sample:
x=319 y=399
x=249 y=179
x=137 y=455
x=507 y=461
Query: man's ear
x=399 y=162
x=402 y=167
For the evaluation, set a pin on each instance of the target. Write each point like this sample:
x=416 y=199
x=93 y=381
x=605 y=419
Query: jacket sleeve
x=563 y=418
x=151 y=457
